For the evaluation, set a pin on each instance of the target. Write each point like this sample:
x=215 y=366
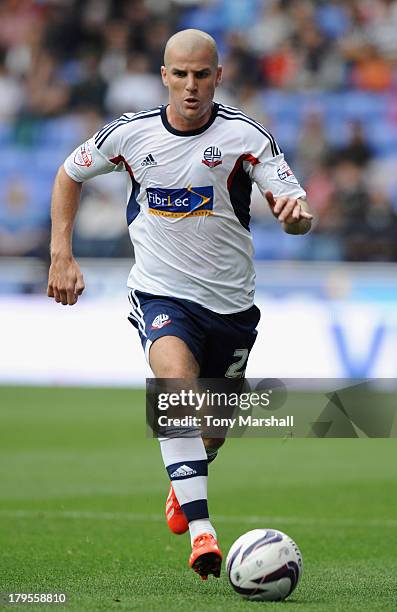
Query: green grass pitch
x=83 y=490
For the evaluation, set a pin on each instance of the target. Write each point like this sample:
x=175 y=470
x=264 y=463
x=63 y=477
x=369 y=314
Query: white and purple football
x=264 y=565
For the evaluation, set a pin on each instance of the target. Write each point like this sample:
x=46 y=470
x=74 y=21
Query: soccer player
x=191 y=165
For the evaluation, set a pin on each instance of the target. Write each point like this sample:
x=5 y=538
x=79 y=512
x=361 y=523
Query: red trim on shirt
x=245 y=157
x=120 y=158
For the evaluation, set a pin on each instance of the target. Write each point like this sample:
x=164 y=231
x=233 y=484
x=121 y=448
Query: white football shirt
x=188 y=208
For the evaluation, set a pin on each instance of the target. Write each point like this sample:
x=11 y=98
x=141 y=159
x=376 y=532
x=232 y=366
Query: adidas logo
x=183 y=470
x=149 y=161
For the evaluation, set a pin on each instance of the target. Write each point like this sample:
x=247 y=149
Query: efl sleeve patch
x=276 y=176
x=285 y=173
x=86 y=161
x=83 y=155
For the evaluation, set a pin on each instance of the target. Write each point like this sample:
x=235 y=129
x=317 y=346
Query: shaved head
x=188 y=42
x=191 y=73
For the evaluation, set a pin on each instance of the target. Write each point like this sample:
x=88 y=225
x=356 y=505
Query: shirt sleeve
x=100 y=154
x=268 y=168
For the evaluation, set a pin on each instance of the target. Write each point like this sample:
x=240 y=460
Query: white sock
x=200 y=526
x=186 y=462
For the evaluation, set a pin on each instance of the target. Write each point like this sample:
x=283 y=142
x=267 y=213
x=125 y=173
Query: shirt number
x=237 y=369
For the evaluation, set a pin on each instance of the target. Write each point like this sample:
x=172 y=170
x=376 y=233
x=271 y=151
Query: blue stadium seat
x=382 y=136
x=271 y=242
x=363 y=106
x=38 y=166
x=337 y=130
x=37 y=191
x=47 y=159
x=286 y=133
x=62 y=131
x=14 y=159
x=6 y=131
x=280 y=105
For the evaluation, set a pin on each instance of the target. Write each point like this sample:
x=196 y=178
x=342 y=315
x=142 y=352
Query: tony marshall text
x=212 y=421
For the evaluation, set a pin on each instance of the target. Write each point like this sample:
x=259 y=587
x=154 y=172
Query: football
x=264 y=565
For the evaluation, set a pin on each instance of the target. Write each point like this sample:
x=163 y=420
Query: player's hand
x=65 y=280
x=287 y=210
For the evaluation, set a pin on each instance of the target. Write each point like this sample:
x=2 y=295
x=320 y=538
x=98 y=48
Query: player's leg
x=170 y=357
x=165 y=365
x=173 y=338
x=185 y=460
x=226 y=357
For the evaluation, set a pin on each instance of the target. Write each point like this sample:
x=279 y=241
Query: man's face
x=191 y=80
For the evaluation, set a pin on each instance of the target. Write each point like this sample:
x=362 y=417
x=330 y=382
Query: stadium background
x=81 y=487
x=320 y=75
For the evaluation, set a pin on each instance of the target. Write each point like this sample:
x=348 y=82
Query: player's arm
x=65 y=280
x=276 y=181
x=293 y=213
x=98 y=155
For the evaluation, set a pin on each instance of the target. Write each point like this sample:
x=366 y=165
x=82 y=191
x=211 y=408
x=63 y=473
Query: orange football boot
x=176 y=518
x=206 y=557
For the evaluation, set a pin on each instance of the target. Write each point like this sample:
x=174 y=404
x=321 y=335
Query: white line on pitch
x=243 y=519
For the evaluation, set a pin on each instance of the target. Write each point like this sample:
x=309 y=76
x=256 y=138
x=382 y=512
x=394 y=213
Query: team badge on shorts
x=212 y=157
x=160 y=321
